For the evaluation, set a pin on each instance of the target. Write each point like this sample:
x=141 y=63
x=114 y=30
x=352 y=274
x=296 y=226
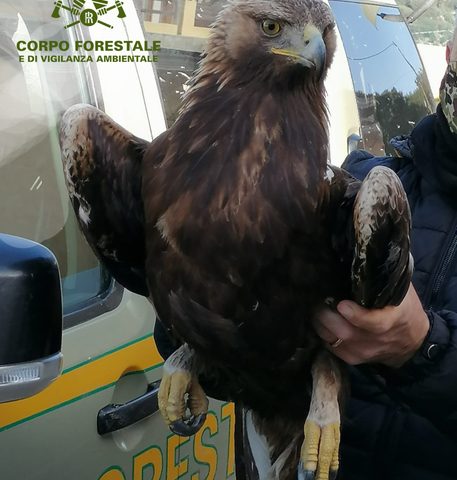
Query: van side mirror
x=30 y=318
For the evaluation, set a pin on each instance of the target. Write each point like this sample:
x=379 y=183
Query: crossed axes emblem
x=88 y=16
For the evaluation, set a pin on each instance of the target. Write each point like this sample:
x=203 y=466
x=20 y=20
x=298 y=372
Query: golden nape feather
x=238 y=230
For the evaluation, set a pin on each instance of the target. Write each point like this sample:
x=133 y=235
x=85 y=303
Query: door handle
x=113 y=417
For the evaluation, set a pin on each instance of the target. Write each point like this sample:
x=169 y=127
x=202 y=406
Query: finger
x=337 y=325
x=325 y=316
x=328 y=318
x=324 y=333
x=373 y=320
x=347 y=355
x=347 y=351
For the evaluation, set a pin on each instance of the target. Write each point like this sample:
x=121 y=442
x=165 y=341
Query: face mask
x=448 y=96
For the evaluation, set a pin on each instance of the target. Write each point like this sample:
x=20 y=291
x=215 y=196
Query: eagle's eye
x=271 y=28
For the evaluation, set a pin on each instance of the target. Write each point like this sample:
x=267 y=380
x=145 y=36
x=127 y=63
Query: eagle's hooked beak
x=311 y=54
x=315 y=53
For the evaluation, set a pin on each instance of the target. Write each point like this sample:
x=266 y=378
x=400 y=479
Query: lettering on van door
x=206 y=449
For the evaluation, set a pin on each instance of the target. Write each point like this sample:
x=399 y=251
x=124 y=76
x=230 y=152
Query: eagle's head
x=271 y=39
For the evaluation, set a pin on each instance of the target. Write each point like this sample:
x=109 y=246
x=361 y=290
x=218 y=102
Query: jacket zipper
x=447 y=261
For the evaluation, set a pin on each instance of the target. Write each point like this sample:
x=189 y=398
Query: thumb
x=347 y=309
x=355 y=314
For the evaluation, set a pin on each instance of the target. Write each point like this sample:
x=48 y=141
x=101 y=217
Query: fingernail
x=346 y=310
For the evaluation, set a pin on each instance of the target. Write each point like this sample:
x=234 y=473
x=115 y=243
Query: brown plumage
x=232 y=221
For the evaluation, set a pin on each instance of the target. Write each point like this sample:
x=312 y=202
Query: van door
x=109 y=353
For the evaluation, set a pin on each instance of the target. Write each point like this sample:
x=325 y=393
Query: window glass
x=392 y=90
x=33 y=196
x=391 y=86
x=182 y=26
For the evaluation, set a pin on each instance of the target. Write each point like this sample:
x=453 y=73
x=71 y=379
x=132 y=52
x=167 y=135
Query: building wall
x=434 y=60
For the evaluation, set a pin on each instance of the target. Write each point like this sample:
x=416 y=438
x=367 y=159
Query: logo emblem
x=89 y=16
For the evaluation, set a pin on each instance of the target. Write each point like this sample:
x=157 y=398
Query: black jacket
x=402 y=424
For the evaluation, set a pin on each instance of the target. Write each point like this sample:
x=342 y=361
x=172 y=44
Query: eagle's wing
x=102 y=164
x=383 y=265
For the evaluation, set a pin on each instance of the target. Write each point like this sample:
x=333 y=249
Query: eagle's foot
x=319 y=453
x=319 y=456
x=182 y=401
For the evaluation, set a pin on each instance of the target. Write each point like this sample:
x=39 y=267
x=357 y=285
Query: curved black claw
x=189 y=426
x=306 y=475
x=303 y=474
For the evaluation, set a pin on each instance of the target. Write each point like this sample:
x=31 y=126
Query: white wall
x=434 y=60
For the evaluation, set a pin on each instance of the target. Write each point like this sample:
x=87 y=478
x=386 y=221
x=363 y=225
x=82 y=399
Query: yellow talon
x=319 y=453
x=335 y=465
x=182 y=401
x=179 y=392
x=172 y=392
x=310 y=448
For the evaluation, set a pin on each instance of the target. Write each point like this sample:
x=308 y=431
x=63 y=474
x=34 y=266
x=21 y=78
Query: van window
x=33 y=195
x=391 y=87
x=392 y=91
x=182 y=26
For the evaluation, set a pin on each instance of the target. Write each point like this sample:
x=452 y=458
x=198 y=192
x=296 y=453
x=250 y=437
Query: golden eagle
x=237 y=228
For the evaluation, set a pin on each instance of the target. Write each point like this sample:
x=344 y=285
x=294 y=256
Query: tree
x=436 y=25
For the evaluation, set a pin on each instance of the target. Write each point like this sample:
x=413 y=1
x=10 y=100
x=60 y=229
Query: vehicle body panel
x=108 y=347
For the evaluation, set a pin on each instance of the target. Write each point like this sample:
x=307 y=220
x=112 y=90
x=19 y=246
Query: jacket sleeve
x=428 y=382
x=359 y=163
x=446 y=140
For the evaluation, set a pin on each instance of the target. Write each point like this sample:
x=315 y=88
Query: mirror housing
x=30 y=318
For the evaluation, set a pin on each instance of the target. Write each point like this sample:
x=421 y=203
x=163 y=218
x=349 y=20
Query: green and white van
x=110 y=360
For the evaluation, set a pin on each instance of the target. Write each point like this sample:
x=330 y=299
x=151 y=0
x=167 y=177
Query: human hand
x=390 y=335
